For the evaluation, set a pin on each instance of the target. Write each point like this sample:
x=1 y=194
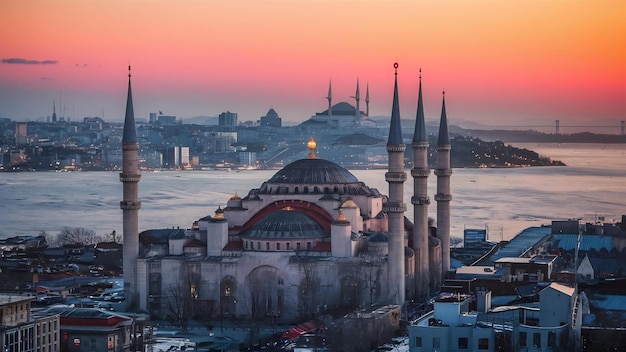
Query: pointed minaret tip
x=129 y=134
x=419 y=134
x=443 y=138
x=395 y=128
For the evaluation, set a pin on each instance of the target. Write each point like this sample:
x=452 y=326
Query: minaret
x=395 y=206
x=330 y=99
x=357 y=98
x=443 y=196
x=130 y=203
x=420 y=200
x=54 y=111
x=367 y=100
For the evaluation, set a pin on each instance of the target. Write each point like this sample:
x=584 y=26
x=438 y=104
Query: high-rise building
x=228 y=119
x=21 y=133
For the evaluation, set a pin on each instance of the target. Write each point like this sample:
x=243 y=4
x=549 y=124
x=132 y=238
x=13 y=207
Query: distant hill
x=531 y=136
x=202 y=120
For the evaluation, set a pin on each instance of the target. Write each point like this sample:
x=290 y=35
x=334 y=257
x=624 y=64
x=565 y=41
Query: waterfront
x=507 y=200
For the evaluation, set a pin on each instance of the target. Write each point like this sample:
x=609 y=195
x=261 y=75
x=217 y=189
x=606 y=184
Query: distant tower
x=130 y=203
x=443 y=196
x=420 y=200
x=357 y=98
x=367 y=100
x=54 y=111
x=558 y=125
x=623 y=124
x=395 y=206
x=329 y=97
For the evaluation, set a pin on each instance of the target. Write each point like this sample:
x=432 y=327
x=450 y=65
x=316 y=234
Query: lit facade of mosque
x=312 y=237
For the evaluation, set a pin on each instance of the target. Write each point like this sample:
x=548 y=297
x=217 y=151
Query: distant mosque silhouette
x=312 y=237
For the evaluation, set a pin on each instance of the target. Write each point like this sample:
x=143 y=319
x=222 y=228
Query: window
x=463 y=343
x=551 y=339
x=288 y=246
x=537 y=339
x=483 y=344
x=436 y=342
x=267 y=246
x=277 y=246
x=297 y=245
x=522 y=339
x=258 y=245
x=418 y=341
x=308 y=246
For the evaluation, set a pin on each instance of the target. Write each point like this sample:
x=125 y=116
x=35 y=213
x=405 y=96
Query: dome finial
x=311 y=145
x=128 y=71
x=395 y=66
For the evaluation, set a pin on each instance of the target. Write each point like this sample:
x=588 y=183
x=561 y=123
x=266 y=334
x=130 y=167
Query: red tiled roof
x=234 y=246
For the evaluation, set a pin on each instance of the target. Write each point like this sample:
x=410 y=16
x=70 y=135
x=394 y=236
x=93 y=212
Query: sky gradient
x=500 y=62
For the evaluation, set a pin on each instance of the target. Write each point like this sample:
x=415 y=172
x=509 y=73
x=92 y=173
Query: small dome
x=285 y=224
x=313 y=171
x=349 y=203
x=235 y=197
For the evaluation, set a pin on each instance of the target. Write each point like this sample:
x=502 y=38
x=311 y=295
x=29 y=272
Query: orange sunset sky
x=503 y=62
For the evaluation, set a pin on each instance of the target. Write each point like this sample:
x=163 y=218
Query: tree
x=77 y=236
x=371 y=271
x=176 y=306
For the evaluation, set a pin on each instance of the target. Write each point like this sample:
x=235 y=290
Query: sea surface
x=504 y=200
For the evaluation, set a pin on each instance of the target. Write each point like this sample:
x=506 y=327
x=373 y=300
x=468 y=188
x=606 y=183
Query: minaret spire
x=329 y=97
x=443 y=196
x=395 y=206
x=130 y=203
x=54 y=111
x=420 y=201
x=357 y=98
x=367 y=100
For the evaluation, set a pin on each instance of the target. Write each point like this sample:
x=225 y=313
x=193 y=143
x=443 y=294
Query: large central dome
x=284 y=224
x=313 y=171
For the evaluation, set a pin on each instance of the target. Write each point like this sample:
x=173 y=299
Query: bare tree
x=182 y=301
x=370 y=274
x=77 y=236
x=176 y=306
x=308 y=289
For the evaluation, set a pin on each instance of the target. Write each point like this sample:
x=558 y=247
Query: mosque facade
x=311 y=238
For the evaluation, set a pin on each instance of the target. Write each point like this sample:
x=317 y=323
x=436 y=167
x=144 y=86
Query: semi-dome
x=285 y=224
x=313 y=171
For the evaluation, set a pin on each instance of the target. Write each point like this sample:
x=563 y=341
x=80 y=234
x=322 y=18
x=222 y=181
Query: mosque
x=311 y=238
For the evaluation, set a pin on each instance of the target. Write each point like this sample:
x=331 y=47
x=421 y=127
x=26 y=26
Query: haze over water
x=506 y=200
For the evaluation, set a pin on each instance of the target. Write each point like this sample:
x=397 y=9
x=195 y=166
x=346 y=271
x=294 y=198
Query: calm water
x=505 y=200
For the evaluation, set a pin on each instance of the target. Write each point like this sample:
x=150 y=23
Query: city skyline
x=500 y=63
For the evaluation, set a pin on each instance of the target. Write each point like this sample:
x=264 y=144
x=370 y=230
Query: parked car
x=115 y=297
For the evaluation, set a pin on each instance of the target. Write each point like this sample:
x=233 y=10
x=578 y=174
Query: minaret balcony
x=394 y=207
x=395 y=177
x=130 y=205
x=418 y=172
x=442 y=197
x=416 y=200
x=396 y=148
x=125 y=177
x=420 y=145
x=130 y=146
x=443 y=172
